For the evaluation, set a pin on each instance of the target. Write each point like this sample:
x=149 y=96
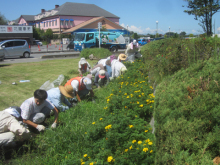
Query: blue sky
x=139 y=15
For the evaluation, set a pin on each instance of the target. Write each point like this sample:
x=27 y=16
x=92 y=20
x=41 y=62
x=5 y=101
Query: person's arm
x=96 y=79
x=91 y=93
x=65 y=101
x=77 y=96
x=30 y=123
x=55 y=110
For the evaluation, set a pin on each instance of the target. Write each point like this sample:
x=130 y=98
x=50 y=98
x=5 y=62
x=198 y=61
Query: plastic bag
x=47 y=85
x=59 y=80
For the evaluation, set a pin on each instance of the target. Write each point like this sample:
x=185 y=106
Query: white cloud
x=218 y=29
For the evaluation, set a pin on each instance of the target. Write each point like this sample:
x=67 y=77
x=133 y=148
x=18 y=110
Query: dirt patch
x=216 y=160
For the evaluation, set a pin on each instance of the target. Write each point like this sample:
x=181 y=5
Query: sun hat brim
x=63 y=91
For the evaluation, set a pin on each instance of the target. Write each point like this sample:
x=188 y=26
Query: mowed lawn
x=37 y=72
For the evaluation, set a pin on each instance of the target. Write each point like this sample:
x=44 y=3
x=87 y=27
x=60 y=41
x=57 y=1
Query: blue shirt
x=57 y=98
x=109 y=70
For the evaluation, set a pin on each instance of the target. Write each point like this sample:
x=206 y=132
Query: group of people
x=16 y=121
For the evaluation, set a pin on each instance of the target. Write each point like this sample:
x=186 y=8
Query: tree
x=49 y=34
x=190 y=35
x=182 y=34
x=203 y=11
x=3 y=20
x=135 y=36
x=157 y=35
x=165 y=36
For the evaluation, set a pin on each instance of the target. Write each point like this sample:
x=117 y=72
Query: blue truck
x=108 y=40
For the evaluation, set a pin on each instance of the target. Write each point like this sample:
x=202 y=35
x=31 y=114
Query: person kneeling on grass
x=10 y=128
x=57 y=96
x=81 y=87
x=35 y=109
x=101 y=78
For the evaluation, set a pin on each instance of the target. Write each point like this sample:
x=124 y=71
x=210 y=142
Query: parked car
x=37 y=42
x=142 y=41
x=70 y=45
x=14 y=48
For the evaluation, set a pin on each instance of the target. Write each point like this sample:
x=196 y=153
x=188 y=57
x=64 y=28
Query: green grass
x=37 y=73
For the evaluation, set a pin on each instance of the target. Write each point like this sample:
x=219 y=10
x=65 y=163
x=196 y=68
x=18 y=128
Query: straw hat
x=102 y=74
x=67 y=91
x=122 y=57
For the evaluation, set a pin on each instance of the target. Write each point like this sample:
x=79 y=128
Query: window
x=66 y=23
x=44 y=24
x=49 y=23
x=19 y=43
x=52 y=23
x=8 y=44
x=55 y=22
x=71 y=23
x=61 y=22
x=89 y=36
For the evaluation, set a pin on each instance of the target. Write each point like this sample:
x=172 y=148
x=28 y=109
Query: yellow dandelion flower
x=109 y=159
x=148 y=140
x=100 y=118
x=150 y=143
x=139 y=142
x=130 y=126
x=82 y=163
x=136 y=116
x=93 y=123
x=85 y=155
x=125 y=106
x=89 y=157
x=146 y=131
x=126 y=150
x=130 y=147
x=145 y=149
x=150 y=106
x=127 y=96
x=81 y=160
x=91 y=163
x=139 y=95
x=151 y=151
x=85 y=132
x=133 y=141
x=137 y=102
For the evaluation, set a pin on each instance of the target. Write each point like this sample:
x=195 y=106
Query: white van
x=14 y=48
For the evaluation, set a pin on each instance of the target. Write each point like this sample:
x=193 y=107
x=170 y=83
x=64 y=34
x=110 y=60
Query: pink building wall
x=50 y=22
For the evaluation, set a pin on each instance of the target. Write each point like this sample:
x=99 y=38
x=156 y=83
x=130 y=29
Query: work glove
x=54 y=125
x=40 y=128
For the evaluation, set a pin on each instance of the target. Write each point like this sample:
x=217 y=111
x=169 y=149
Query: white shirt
x=75 y=84
x=29 y=107
x=9 y=123
x=116 y=67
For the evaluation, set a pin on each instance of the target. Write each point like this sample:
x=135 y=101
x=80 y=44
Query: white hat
x=102 y=74
x=83 y=61
x=134 y=42
x=13 y=112
x=88 y=83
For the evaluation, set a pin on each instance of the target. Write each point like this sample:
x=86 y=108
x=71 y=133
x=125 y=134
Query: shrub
x=98 y=53
x=187 y=115
x=167 y=56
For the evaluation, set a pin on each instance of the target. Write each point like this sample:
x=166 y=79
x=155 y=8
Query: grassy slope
x=187 y=115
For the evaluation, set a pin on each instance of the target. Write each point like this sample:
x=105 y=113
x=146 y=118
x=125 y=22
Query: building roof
x=28 y=17
x=82 y=9
x=86 y=23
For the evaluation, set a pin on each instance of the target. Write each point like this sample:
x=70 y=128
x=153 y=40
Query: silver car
x=14 y=48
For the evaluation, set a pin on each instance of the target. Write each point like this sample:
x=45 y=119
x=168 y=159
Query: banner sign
x=16 y=29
